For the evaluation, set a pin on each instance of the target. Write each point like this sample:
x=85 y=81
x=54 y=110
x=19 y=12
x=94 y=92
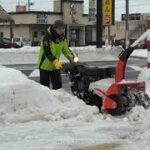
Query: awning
x=4 y=17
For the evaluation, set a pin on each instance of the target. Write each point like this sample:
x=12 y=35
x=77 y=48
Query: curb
x=100 y=147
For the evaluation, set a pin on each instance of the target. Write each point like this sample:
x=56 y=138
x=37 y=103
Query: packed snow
x=33 y=117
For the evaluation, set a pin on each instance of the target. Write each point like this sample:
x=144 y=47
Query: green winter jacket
x=51 y=49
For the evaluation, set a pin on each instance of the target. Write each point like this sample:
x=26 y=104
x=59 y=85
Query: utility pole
x=127 y=25
x=99 y=26
x=30 y=4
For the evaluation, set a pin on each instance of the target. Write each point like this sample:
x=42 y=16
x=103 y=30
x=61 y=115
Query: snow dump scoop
x=112 y=94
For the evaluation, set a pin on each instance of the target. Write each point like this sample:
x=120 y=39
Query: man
x=53 y=44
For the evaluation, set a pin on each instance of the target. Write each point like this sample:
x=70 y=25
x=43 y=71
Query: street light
x=99 y=25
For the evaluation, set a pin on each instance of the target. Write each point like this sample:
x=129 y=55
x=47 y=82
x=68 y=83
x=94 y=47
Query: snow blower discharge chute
x=115 y=98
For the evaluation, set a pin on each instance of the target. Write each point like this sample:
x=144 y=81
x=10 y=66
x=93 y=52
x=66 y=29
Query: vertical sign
x=108 y=12
x=92 y=10
x=73 y=12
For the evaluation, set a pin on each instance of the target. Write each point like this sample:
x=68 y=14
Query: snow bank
x=24 y=55
x=140 y=53
x=145 y=76
x=23 y=100
x=29 y=55
x=54 y=120
x=91 y=53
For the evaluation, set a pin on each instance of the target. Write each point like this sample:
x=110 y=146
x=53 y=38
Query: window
x=88 y=37
x=42 y=18
x=1 y=34
x=35 y=35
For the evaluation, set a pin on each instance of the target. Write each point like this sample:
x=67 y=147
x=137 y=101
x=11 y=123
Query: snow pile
x=34 y=73
x=140 y=53
x=29 y=55
x=24 y=55
x=24 y=100
x=137 y=114
x=20 y=50
x=96 y=54
x=145 y=76
x=54 y=120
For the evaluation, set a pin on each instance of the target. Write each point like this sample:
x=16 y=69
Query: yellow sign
x=107 y=12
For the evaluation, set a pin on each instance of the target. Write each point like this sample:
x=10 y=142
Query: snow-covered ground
x=33 y=117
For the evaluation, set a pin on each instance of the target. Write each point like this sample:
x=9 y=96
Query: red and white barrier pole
x=148 y=42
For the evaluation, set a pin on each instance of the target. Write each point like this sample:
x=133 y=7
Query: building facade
x=80 y=31
x=33 y=24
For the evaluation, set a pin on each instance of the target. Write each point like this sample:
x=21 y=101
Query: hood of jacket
x=53 y=35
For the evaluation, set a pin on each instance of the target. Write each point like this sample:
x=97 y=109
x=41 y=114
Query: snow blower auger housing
x=115 y=97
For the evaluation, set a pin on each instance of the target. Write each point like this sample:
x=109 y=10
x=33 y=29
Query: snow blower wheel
x=122 y=103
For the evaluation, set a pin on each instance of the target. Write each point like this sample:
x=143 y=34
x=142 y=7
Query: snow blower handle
x=124 y=55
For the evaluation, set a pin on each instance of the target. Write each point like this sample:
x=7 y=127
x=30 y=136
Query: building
x=80 y=31
x=137 y=26
x=33 y=24
x=5 y=18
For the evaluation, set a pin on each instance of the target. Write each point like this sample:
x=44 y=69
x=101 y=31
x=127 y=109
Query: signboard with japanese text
x=92 y=10
x=108 y=12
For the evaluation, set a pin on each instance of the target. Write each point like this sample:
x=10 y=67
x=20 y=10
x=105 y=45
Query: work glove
x=57 y=64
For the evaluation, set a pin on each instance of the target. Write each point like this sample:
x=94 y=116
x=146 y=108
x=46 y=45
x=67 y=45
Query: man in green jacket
x=53 y=44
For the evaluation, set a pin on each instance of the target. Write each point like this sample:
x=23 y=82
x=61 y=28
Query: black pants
x=51 y=76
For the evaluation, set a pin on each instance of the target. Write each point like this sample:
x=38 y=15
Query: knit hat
x=59 y=24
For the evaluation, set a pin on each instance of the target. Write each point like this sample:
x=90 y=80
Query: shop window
x=1 y=34
x=88 y=37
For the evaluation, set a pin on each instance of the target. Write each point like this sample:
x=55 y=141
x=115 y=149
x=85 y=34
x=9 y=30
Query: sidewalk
x=29 y=55
x=100 y=147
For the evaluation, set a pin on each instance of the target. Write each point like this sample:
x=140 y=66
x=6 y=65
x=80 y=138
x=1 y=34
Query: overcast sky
x=136 y=6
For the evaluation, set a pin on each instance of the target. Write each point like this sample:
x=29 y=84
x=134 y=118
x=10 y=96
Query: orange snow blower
x=97 y=86
x=122 y=95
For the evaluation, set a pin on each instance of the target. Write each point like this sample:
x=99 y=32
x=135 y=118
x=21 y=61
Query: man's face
x=60 y=31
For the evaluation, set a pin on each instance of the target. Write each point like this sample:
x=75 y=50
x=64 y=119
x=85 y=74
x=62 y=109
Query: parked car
x=6 y=43
x=22 y=41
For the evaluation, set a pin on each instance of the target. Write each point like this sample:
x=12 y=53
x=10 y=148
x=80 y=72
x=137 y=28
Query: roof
x=4 y=17
x=36 y=12
x=73 y=1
